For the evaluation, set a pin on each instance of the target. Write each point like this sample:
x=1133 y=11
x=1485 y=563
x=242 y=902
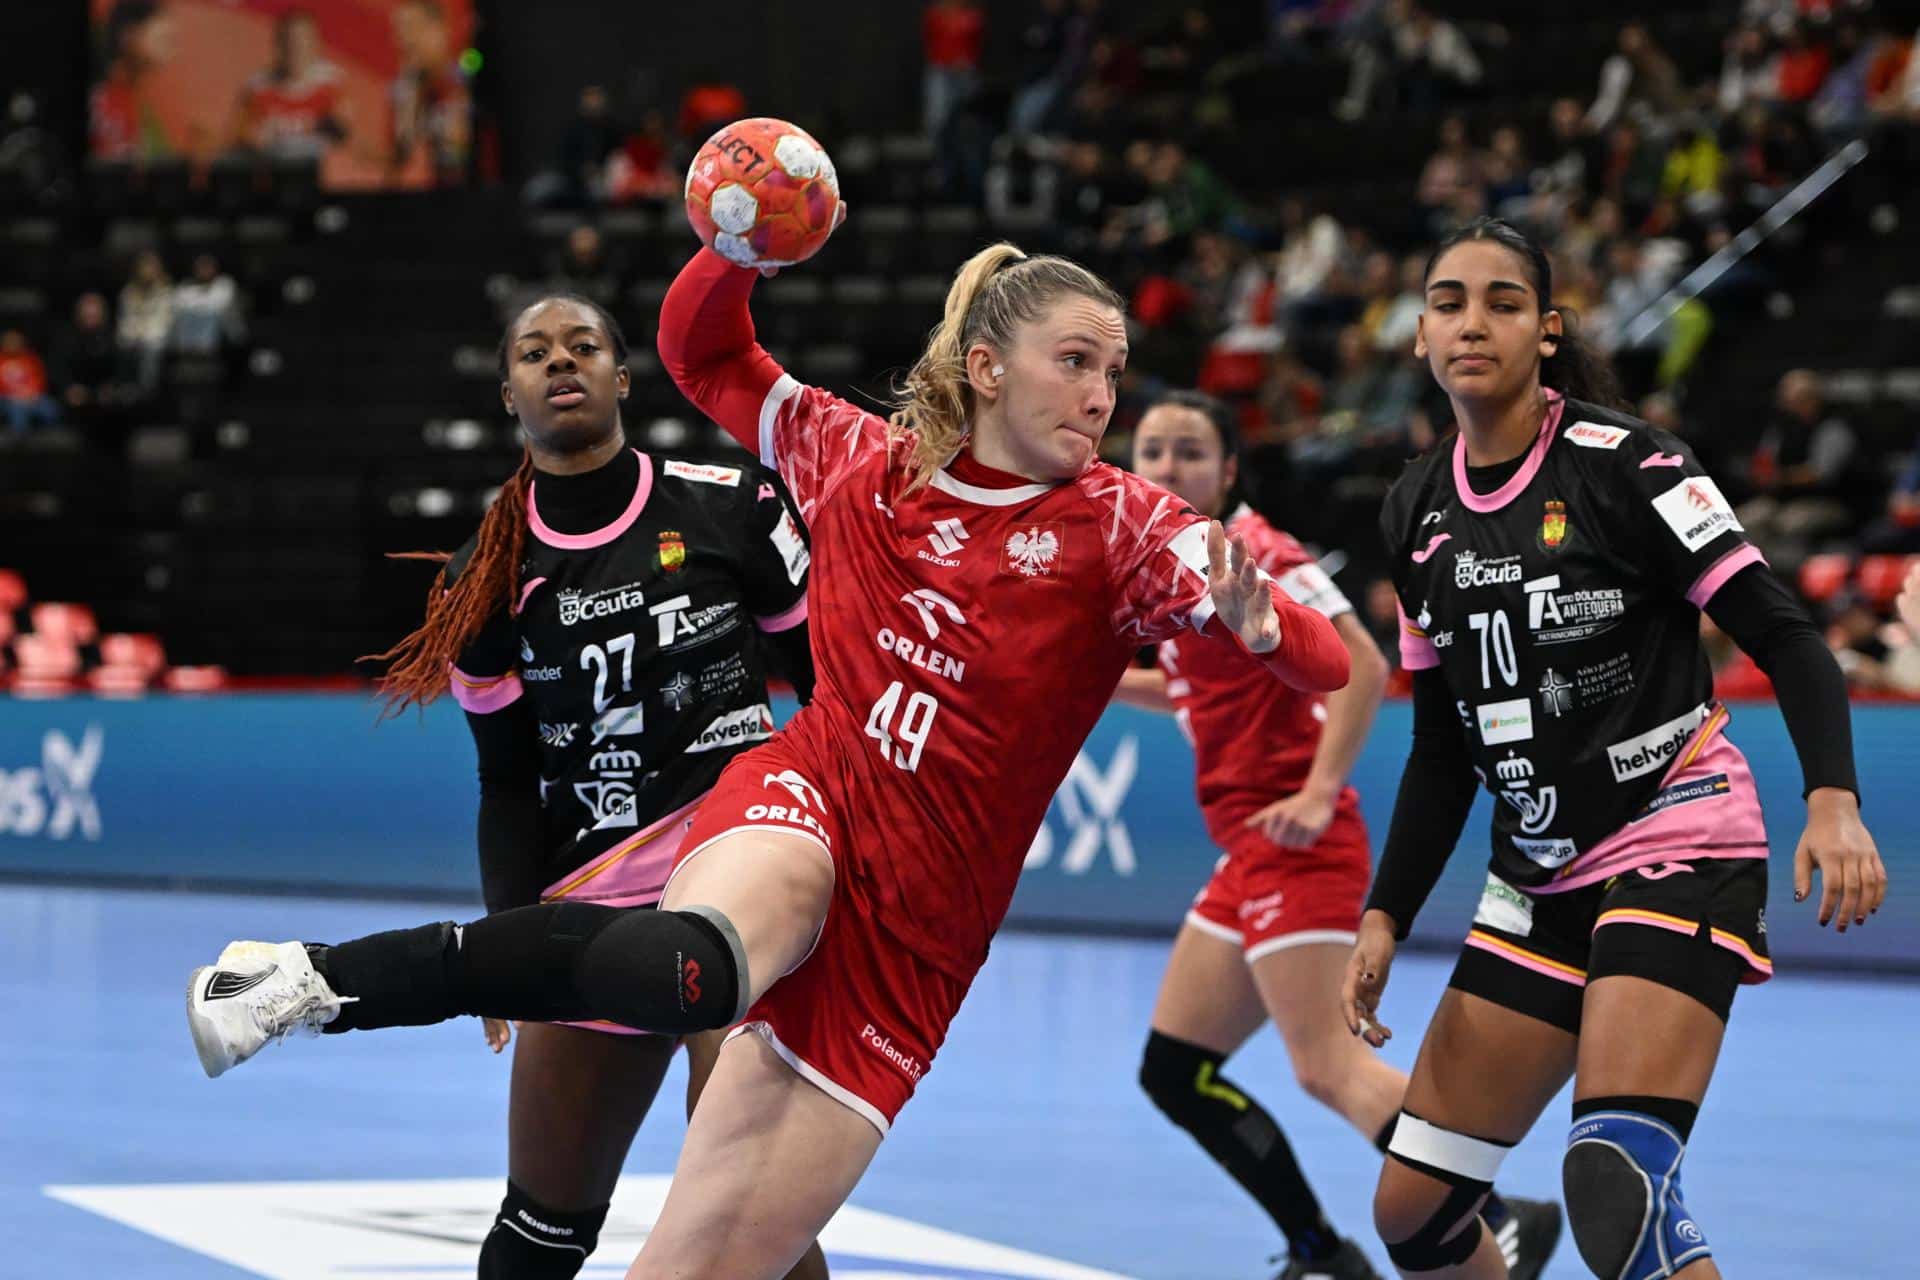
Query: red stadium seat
x=141 y=652
x=1880 y=577
x=45 y=657
x=195 y=679
x=1823 y=575
x=70 y=622
x=13 y=590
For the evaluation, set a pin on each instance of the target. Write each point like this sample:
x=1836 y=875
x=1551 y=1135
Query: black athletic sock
x=1677 y=1112
x=1184 y=1082
x=532 y=1242
x=667 y=971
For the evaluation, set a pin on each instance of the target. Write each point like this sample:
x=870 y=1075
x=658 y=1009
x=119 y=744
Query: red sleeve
x=1157 y=564
x=811 y=437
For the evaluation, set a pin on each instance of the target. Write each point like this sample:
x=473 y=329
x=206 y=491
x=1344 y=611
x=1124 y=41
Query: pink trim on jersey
x=1728 y=825
x=786 y=621
x=483 y=695
x=1721 y=571
x=599 y=537
x=634 y=872
x=526 y=591
x=1416 y=650
x=1520 y=479
x=1688 y=928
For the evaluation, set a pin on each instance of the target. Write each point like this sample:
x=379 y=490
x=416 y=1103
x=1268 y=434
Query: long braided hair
x=421 y=662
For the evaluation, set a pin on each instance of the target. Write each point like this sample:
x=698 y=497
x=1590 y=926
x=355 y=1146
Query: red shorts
x=1264 y=898
x=860 y=1016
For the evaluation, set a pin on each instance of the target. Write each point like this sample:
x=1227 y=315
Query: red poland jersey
x=967 y=634
x=288 y=114
x=1253 y=739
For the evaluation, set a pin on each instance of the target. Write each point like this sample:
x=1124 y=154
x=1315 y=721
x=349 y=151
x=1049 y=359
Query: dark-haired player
x=1268 y=937
x=1552 y=559
x=606 y=631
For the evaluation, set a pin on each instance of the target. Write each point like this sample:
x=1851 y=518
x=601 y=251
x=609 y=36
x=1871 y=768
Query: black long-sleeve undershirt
x=1437 y=786
x=507 y=742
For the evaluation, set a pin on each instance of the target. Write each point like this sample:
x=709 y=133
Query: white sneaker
x=257 y=993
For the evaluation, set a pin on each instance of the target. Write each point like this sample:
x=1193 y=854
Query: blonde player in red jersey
x=980 y=582
x=1268 y=937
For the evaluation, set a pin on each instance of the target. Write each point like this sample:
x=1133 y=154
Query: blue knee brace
x=1622 y=1180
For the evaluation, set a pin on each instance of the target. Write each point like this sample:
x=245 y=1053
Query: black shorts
x=1699 y=927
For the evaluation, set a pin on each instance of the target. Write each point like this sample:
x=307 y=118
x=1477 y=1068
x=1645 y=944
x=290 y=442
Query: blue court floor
x=1028 y=1152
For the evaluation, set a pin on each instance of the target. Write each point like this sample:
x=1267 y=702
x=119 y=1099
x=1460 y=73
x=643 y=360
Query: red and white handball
x=762 y=193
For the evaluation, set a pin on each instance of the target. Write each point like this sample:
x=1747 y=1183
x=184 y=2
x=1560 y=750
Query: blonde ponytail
x=993 y=293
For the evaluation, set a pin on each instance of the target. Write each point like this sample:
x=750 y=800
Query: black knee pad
x=1621 y=1175
x=1169 y=1069
x=1467 y=1165
x=531 y=1242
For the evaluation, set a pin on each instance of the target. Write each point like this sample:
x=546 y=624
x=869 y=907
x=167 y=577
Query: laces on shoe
x=308 y=1007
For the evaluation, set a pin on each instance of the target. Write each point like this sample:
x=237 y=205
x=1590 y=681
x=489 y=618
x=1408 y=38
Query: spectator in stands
x=1747 y=72
x=23 y=385
x=951 y=35
x=646 y=167
x=136 y=40
x=1572 y=164
x=296 y=108
x=81 y=359
x=206 y=310
x=1506 y=173
x=1433 y=62
x=1452 y=168
x=1839 y=110
x=1394 y=333
x=1043 y=52
x=146 y=321
x=1859 y=639
x=1637 y=80
x=1803 y=65
x=585 y=267
x=431 y=105
x=1310 y=253
x=591 y=136
x=1695 y=169
x=1898 y=531
x=1797 y=473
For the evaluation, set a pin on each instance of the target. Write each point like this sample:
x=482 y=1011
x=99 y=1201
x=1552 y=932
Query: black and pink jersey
x=1563 y=607
x=636 y=646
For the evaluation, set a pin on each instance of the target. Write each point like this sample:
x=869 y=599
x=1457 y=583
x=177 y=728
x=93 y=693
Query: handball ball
x=762 y=193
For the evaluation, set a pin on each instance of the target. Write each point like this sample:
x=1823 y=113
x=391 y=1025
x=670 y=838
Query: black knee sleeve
x=1432 y=1247
x=531 y=1242
x=667 y=971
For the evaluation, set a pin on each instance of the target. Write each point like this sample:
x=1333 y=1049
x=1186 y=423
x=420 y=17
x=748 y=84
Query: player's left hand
x=1240 y=596
x=1909 y=602
x=1853 y=880
x=499 y=1032
x=1296 y=821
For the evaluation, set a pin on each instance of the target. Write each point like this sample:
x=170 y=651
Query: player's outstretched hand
x=1240 y=597
x=499 y=1033
x=1366 y=978
x=1909 y=602
x=1853 y=880
x=839 y=216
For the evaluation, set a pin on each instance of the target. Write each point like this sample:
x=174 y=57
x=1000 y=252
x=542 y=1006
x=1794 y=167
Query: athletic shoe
x=1347 y=1263
x=270 y=991
x=1527 y=1239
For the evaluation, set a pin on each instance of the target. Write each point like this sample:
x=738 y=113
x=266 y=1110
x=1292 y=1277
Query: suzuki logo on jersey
x=575 y=607
x=948 y=537
x=681 y=624
x=1469 y=570
x=749 y=724
x=1656 y=748
x=1089 y=802
x=1509 y=721
x=1032 y=551
x=925 y=601
x=56 y=799
x=1696 y=511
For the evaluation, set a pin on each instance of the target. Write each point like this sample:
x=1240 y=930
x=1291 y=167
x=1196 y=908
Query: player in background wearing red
x=981 y=582
x=1268 y=937
x=1552 y=559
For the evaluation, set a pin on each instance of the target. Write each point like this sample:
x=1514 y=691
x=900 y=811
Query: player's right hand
x=1366 y=978
x=498 y=1031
